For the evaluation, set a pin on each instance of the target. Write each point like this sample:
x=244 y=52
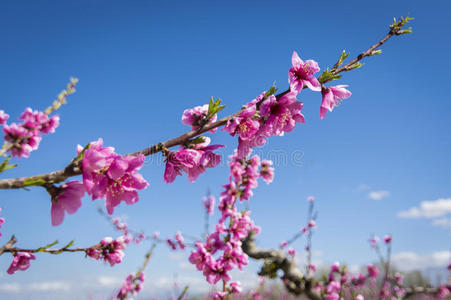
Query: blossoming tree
x=115 y=178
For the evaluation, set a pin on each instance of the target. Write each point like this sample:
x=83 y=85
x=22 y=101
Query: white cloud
x=409 y=261
x=10 y=287
x=428 y=209
x=378 y=195
x=50 y=286
x=442 y=222
x=108 y=281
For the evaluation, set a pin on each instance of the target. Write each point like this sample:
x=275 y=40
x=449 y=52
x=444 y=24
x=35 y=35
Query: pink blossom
x=302 y=73
x=266 y=171
x=196 y=116
x=283 y=244
x=312 y=267
x=171 y=244
x=373 y=271
x=68 y=200
x=23 y=140
x=335 y=268
x=332 y=97
x=244 y=125
x=291 y=251
x=111 y=176
x=282 y=115
x=192 y=161
x=111 y=250
x=374 y=241
x=21 y=262
x=387 y=239
x=235 y=287
x=310 y=199
x=209 y=204
x=3 y=117
x=156 y=235
x=359 y=297
x=311 y=224
x=180 y=240
x=2 y=220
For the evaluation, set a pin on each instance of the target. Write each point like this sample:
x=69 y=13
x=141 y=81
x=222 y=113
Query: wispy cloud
x=10 y=287
x=442 y=222
x=409 y=261
x=428 y=209
x=378 y=195
x=50 y=286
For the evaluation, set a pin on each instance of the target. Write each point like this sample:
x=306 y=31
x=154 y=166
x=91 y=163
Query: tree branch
x=74 y=169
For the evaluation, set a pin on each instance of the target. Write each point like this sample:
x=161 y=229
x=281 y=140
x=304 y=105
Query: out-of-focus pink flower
x=291 y=251
x=2 y=220
x=180 y=240
x=209 y=204
x=374 y=241
x=283 y=244
x=68 y=200
x=194 y=117
x=443 y=291
x=156 y=235
x=235 y=287
x=332 y=97
x=359 y=297
x=266 y=171
x=312 y=267
x=335 y=267
x=373 y=271
x=387 y=239
x=21 y=262
x=171 y=244
x=302 y=73
x=311 y=224
x=3 y=117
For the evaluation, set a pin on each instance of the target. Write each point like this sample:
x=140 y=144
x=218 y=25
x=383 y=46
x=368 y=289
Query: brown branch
x=74 y=169
x=295 y=282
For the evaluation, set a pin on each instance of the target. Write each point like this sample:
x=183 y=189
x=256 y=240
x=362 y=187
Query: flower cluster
x=193 y=160
x=26 y=136
x=198 y=116
x=67 y=199
x=221 y=252
x=263 y=117
x=21 y=262
x=109 y=250
x=133 y=284
x=111 y=176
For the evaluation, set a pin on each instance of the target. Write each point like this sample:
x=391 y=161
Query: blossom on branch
x=3 y=117
x=332 y=97
x=112 y=176
x=21 y=262
x=68 y=200
x=302 y=73
x=197 y=116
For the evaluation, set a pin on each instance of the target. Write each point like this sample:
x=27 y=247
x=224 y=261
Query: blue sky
x=141 y=63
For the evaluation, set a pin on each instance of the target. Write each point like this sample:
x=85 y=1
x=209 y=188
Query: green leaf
x=328 y=75
x=5 y=164
x=197 y=140
x=272 y=90
x=34 y=181
x=82 y=153
x=355 y=66
x=342 y=57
